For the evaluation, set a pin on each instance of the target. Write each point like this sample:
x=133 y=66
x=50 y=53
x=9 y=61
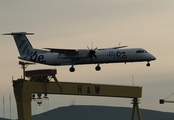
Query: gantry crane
x=39 y=83
x=162 y=101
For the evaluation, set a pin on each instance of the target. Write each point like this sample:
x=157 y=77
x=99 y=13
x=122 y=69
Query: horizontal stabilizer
x=18 y=33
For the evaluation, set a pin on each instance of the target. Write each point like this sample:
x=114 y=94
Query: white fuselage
x=103 y=56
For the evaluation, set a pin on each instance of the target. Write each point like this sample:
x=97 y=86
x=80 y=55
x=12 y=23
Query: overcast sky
x=76 y=24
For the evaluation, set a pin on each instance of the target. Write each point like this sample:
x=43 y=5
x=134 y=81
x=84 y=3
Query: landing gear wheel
x=97 y=68
x=71 y=69
x=148 y=64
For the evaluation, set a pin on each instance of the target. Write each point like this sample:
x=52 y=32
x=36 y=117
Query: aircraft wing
x=113 y=48
x=64 y=51
x=119 y=47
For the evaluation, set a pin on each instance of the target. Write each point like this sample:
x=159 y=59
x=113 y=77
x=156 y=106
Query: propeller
x=92 y=52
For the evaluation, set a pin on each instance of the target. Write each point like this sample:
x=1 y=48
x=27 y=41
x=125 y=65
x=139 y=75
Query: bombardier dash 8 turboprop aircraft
x=54 y=56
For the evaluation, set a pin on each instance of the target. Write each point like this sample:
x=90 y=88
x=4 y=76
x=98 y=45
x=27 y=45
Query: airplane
x=62 y=57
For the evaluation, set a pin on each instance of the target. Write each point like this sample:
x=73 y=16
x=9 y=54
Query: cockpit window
x=141 y=51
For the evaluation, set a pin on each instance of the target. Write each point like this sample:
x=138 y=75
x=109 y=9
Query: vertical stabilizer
x=24 y=47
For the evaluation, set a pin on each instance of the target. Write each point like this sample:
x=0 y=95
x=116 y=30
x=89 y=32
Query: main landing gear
x=72 y=69
x=148 y=64
x=98 y=68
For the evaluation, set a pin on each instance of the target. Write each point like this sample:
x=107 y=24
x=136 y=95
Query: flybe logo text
x=117 y=54
x=37 y=58
x=25 y=48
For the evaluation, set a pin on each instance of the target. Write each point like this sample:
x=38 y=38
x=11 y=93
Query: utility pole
x=3 y=107
x=10 y=104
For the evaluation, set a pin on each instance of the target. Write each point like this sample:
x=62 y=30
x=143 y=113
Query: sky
x=75 y=25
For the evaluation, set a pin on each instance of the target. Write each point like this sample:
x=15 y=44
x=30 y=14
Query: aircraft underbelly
x=95 y=61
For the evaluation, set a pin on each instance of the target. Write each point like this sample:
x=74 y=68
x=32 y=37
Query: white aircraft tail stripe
x=24 y=47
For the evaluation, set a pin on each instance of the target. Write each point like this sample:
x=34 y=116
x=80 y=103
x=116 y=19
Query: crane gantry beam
x=23 y=90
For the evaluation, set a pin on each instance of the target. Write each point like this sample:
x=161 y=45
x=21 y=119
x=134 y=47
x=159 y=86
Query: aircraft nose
x=153 y=57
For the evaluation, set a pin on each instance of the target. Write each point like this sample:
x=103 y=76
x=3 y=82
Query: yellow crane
x=40 y=83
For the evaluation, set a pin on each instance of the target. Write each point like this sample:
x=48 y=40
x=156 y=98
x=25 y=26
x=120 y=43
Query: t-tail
x=24 y=47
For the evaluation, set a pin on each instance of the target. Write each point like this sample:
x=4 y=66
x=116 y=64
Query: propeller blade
x=88 y=48
x=95 y=56
x=92 y=52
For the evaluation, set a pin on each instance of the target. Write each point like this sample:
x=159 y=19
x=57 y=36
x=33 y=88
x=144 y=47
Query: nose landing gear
x=148 y=64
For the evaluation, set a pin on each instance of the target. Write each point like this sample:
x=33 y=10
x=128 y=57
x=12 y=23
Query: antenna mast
x=10 y=104
x=3 y=107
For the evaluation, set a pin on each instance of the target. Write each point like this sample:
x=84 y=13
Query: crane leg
x=136 y=107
